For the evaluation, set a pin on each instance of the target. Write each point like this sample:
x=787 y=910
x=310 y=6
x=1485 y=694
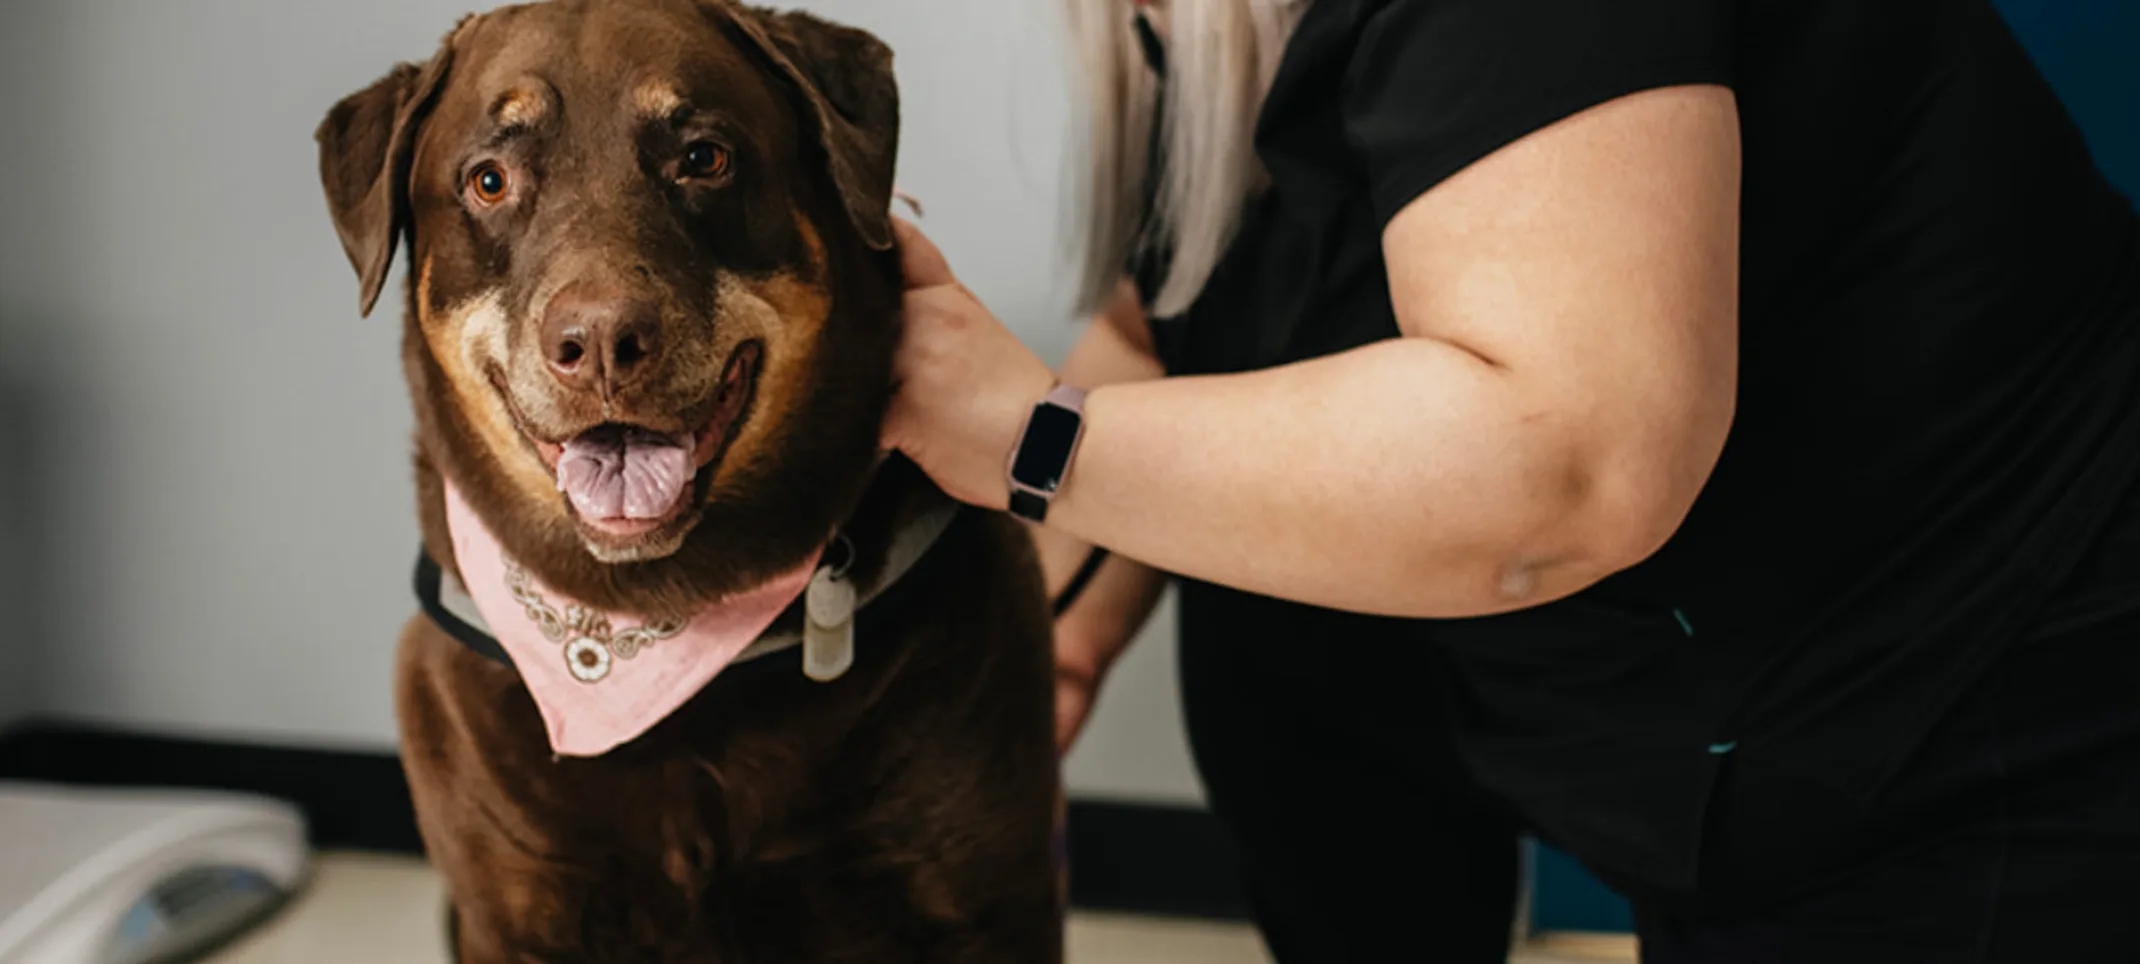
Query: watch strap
x=1066 y=396
x=1028 y=505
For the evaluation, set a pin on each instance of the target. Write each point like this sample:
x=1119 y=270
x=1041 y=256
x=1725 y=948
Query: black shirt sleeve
x=1435 y=85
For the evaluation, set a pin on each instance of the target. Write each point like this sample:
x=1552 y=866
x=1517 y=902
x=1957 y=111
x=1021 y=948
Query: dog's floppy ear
x=365 y=146
x=846 y=77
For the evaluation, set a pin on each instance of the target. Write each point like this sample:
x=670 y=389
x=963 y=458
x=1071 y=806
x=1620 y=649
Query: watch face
x=1047 y=447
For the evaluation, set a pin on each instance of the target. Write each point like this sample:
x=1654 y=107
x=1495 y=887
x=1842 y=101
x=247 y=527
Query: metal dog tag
x=828 y=627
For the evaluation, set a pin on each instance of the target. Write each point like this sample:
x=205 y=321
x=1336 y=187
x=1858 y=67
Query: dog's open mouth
x=627 y=482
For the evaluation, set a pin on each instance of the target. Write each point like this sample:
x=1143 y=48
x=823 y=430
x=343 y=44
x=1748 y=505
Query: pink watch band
x=1068 y=396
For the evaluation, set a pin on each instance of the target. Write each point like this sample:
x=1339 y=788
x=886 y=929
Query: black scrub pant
x=1323 y=752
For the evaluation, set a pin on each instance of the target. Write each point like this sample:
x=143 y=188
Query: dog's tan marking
x=521 y=107
x=788 y=313
x=465 y=339
x=657 y=99
x=423 y=287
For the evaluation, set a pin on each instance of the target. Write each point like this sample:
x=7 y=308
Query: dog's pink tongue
x=633 y=475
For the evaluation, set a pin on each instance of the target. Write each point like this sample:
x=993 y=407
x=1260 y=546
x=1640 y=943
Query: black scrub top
x=1940 y=339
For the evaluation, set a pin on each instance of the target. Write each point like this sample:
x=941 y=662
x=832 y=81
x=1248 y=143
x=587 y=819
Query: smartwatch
x=1045 y=448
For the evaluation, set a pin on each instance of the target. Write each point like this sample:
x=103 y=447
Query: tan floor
x=384 y=910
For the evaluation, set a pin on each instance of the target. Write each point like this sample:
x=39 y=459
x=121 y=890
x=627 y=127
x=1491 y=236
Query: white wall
x=221 y=445
x=25 y=551
x=19 y=541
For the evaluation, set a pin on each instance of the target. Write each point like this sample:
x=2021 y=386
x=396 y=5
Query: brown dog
x=651 y=308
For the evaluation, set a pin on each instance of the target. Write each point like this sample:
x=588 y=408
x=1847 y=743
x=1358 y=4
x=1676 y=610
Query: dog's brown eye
x=704 y=159
x=489 y=183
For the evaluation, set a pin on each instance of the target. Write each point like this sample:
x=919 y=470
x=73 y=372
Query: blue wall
x=2090 y=51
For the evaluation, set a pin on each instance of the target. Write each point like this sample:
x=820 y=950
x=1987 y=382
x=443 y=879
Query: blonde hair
x=1221 y=55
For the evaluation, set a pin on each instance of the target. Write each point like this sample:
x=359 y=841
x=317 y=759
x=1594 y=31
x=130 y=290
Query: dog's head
x=652 y=303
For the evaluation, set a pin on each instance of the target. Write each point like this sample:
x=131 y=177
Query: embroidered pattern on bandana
x=591 y=646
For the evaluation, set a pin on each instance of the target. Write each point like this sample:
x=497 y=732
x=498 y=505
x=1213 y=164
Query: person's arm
x=1114 y=348
x=1093 y=632
x=1563 y=388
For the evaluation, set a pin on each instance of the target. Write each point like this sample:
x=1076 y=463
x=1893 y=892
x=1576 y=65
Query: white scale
x=104 y=876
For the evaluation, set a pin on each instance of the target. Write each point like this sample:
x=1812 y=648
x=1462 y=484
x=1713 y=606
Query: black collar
x=448 y=606
x=464 y=626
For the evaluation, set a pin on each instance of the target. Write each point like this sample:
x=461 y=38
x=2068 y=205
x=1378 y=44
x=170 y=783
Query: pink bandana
x=601 y=682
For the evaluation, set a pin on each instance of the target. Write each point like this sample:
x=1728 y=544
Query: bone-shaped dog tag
x=828 y=627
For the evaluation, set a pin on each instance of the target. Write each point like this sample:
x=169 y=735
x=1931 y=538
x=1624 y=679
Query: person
x=1700 y=433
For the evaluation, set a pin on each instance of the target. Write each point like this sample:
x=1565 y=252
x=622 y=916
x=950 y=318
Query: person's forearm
x=1115 y=348
x=1406 y=478
x=1107 y=353
x=1113 y=607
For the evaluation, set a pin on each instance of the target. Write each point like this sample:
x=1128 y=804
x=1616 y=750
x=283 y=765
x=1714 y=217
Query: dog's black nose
x=599 y=340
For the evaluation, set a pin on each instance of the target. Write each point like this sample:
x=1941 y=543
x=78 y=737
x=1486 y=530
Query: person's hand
x=1082 y=659
x=1097 y=628
x=964 y=382
x=1086 y=643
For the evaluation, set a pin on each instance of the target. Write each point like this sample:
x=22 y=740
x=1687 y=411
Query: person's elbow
x=1632 y=513
x=1634 y=489
x=1602 y=499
